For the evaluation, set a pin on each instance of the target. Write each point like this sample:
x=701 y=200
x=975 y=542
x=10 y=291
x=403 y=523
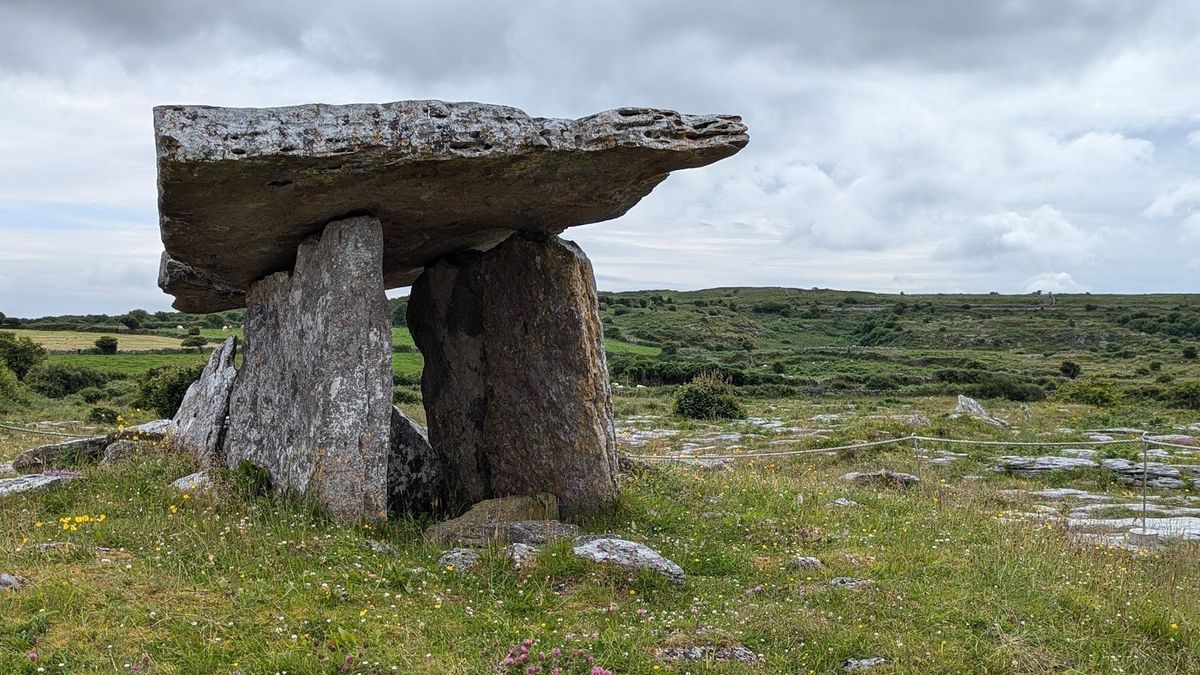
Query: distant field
x=619 y=347
x=128 y=364
x=69 y=339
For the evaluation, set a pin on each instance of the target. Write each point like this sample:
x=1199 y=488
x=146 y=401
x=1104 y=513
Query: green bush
x=1091 y=392
x=1189 y=353
x=1186 y=395
x=106 y=344
x=57 y=380
x=12 y=393
x=20 y=354
x=92 y=394
x=405 y=395
x=1070 y=369
x=707 y=397
x=194 y=341
x=103 y=415
x=164 y=387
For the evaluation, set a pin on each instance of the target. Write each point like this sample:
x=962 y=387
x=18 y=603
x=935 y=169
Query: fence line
x=911 y=438
x=42 y=432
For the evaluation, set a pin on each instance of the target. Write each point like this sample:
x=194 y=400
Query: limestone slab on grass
x=31 y=483
x=312 y=402
x=628 y=554
x=495 y=519
x=241 y=188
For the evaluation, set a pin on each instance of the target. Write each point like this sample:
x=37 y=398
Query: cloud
x=1053 y=282
x=894 y=146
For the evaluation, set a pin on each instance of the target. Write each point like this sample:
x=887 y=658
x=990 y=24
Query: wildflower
x=173 y=508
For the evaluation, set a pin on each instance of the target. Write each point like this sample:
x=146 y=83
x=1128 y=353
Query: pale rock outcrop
x=199 y=425
x=627 y=554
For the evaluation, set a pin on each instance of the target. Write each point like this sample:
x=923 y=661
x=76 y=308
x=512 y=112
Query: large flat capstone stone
x=241 y=188
x=312 y=402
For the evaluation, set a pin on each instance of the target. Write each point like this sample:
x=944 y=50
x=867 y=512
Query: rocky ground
x=939 y=558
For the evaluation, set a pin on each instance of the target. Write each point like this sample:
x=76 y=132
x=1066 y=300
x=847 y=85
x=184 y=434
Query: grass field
x=57 y=340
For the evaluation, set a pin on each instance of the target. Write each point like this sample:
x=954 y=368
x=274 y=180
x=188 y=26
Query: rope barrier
x=782 y=453
x=44 y=433
x=965 y=441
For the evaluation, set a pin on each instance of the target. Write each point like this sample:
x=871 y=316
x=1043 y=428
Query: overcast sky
x=895 y=146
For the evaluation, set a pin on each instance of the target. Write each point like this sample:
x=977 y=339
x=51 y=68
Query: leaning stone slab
x=199 y=425
x=416 y=478
x=515 y=382
x=972 y=408
x=31 y=483
x=312 y=402
x=241 y=188
x=628 y=554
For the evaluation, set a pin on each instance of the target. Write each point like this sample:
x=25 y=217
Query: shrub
x=103 y=415
x=106 y=344
x=194 y=330
x=1070 y=369
x=92 y=394
x=20 y=354
x=12 y=393
x=164 y=387
x=1186 y=395
x=405 y=395
x=193 y=341
x=1092 y=392
x=57 y=380
x=1189 y=352
x=708 y=396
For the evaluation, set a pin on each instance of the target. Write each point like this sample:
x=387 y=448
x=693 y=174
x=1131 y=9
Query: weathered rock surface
x=240 y=188
x=971 y=407
x=522 y=556
x=842 y=503
x=311 y=404
x=1018 y=464
x=119 y=450
x=193 y=482
x=199 y=425
x=84 y=450
x=849 y=582
x=6 y=467
x=10 y=582
x=884 y=477
x=31 y=482
x=854 y=665
x=518 y=519
x=628 y=554
x=459 y=559
x=713 y=653
x=416 y=479
x=1156 y=475
x=806 y=562
x=515 y=384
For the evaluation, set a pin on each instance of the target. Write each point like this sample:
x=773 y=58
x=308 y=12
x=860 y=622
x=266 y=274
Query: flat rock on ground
x=459 y=559
x=10 y=582
x=526 y=519
x=714 y=653
x=1033 y=465
x=628 y=554
x=83 y=450
x=119 y=450
x=31 y=482
x=1155 y=474
x=885 y=477
x=193 y=482
x=241 y=188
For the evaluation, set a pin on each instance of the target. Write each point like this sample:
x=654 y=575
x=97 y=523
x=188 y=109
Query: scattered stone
x=1020 y=465
x=1078 y=452
x=31 y=482
x=1100 y=438
x=628 y=554
x=1181 y=529
x=194 y=482
x=521 y=555
x=1156 y=475
x=806 y=562
x=199 y=426
x=312 y=402
x=416 y=479
x=459 y=559
x=10 y=582
x=119 y=450
x=59 y=547
x=61 y=455
x=856 y=664
x=517 y=411
x=849 y=582
x=518 y=519
x=6 y=467
x=971 y=407
x=710 y=653
x=799 y=500
x=885 y=477
x=1177 y=439
x=842 y=502
x=380 y=547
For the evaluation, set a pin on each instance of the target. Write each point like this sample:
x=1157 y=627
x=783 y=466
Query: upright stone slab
x=199 y=425
x=312 y=403
x=416 y=481
x=516 y=385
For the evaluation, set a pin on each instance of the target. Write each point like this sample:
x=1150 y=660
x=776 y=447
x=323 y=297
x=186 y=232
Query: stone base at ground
x=515 y=383
x=312 y=403
x=416 y=478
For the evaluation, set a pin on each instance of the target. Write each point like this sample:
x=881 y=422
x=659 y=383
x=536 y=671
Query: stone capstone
x=312 y=402
x=199 y=425
x=515 y=384
x=241 y=188
x=416 y=479
x=627 y=554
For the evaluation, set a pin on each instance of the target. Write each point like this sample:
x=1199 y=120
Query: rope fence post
x=916 y=453
x=1145 y=474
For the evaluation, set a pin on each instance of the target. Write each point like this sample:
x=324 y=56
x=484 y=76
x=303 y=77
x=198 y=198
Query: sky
x=913 y=146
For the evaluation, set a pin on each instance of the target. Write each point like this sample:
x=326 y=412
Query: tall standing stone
x=516 y=385
x=312 y=403
x=199 y=425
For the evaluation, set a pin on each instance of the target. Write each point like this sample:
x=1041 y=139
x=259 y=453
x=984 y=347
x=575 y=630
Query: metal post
x=916 y=455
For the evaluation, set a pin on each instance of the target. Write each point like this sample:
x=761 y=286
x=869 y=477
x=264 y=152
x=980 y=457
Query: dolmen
x=306 y=215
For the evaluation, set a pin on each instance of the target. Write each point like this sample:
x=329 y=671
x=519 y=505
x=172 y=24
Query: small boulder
x=885 y=477
x=119 y=450
x=32 y=482
x=856 y=664
x=194 y=482
x=849 y=582
x=972 y=408
x=1156 y=475
x=1020 y=465
x=10 y=582
x=842 y=503
x=522 y=556
x=495 y=519
x=628 y=554
x=806 y=562
x=459 y=560
x=713 y=653
x=61 y=455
